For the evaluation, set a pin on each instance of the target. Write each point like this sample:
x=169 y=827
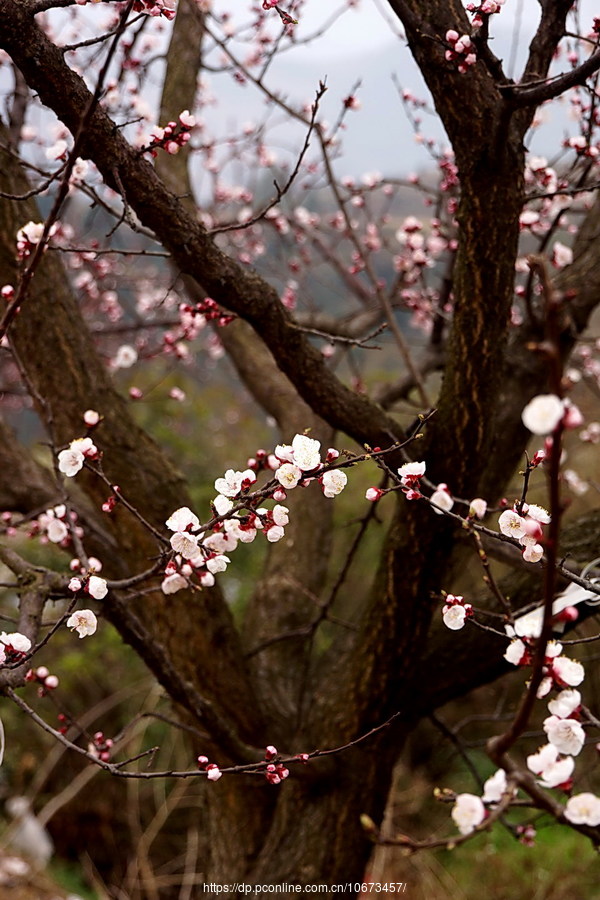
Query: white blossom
x=478 y=508
x=91 y=417
x=565 y=703
x=454 y=616
x=333 y=482
x=283 y=453
x=538 y=513
x=583 y=809
x=70 y=462
x=184 y=543
x=182 y=519
x=543 y=413
x=306 y=452
x=97 y=587
x=83 y=621
x=222 y=505
x=280 y=515
x=515 y=652
x=494 y=787
x=217 y=564
x=173 y=583
x=274 y=533
x=568 y=671
x=468 y=812
x=557 y=773
x=533 y=552
x=231 y=484
x=544 y=688
x=19 y=642
x=511 y=524
x=442 y=498
x=221 y=542
x=207 y=579
x=126 y=357
x=288 y=475
x=409 y=471
x=546 y=756
x=57 y=531
x=567 y=735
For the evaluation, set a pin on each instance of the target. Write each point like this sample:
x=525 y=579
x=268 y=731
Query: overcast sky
x=362 y=45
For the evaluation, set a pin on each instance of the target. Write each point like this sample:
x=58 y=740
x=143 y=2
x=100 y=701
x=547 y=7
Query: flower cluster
x=559 y=672
x=173 y=136
x=469 y=810
x=43 y=678
x=285 y=17
x=29 y=236
x=100 y=746
x=204 y=555
x=194 y=318
x=275 y=772
x=53 y=525
x=526 y=527
x=71 y=460
x=86 y=579
x=410 y=479
x=461 y=50
x=485 y=8
x=455 y=612
x=213 y=773
x=166 y=8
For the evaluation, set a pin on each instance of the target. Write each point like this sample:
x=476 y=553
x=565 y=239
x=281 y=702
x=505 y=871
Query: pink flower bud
x=568 y=614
